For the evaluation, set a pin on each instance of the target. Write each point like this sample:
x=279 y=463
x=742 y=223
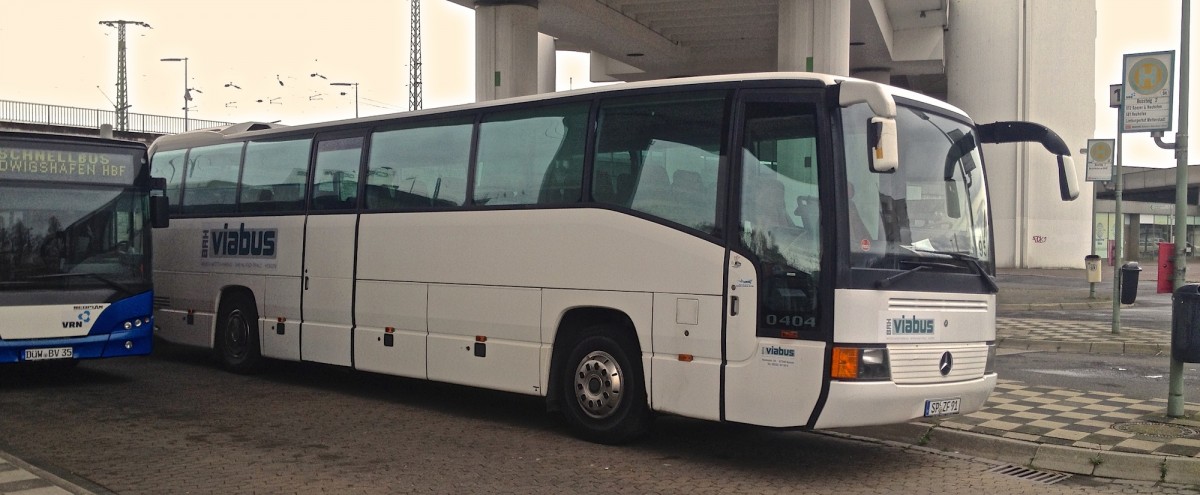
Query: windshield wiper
x=107 y=281
x=921 y=265
x=884 y=283
x=988 y=280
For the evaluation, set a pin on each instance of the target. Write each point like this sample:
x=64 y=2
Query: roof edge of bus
x=197 y=135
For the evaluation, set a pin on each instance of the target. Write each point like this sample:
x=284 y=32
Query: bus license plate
x=49 y=353
x=941 y=407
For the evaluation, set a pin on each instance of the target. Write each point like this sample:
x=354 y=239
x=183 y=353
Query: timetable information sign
x=1148 y=83
x=1100 y=159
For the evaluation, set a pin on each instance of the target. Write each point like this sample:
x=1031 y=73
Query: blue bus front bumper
x=108 y=338
x=133 y=342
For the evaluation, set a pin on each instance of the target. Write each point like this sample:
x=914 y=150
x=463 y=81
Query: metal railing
x=56 y=115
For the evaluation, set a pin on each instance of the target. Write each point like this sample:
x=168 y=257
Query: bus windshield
x=63 y=237
x=931 y=212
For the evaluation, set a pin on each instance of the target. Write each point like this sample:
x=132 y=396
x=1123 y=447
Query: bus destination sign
x=65 y=165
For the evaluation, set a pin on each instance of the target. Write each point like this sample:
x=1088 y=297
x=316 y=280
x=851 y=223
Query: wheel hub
x=598 y=384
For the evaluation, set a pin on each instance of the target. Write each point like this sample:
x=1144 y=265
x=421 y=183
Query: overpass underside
x=998 y=60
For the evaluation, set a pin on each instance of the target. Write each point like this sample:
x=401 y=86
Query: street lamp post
x=355 y=93
x=187 y=96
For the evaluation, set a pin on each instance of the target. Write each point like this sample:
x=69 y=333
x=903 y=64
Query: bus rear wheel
x=603 y=393
x=237 y=336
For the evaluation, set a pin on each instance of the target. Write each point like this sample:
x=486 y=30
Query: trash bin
x=1091 y=263
x=1129 y=282
x=1185 y=324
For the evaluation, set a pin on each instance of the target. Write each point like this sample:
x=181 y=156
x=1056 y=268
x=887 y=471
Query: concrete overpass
x=40 y=117
x=998 y=60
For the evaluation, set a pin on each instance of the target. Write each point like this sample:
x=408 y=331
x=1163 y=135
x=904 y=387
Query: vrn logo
x=227 y=243
x=82 y=318
x=778 y=351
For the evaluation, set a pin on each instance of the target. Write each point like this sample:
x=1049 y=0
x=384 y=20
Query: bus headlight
x=860 y=363
x=989 y=366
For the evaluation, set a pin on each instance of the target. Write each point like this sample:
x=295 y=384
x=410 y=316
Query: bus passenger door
x=329 y=247
x=775 y=351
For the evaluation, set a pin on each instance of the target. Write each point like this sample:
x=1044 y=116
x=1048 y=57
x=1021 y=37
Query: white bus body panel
x=858 y=404
x=508 y=318
x=190 y=274
x=768 y=382
x=538 y=248
x=775 y=387
x=947 y=322
x=328 y=289
x=49 y=321
x=687 y=324
x=480 y=266
x=280 y=299
x=402 y=307
x=863 y=316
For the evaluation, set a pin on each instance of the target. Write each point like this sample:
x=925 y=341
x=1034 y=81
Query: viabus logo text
x=772 y=350
x=241 y=242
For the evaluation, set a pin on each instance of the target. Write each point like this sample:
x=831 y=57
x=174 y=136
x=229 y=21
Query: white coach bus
x=786 y=249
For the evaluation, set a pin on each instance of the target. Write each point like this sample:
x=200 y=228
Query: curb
x=1095 y=347
x=1106 y=304
x=1075 y=460
x=63 y=480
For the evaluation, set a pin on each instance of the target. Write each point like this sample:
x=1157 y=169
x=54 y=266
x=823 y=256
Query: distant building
x=1148 y=205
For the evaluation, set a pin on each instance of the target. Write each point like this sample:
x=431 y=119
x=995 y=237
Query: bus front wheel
x=237 y=336
x=603 y=391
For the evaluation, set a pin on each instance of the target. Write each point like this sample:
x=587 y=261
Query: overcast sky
x=56 y=52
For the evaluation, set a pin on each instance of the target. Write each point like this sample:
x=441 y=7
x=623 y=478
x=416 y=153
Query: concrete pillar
x=814 y=29
x=547 y=67
x=506 y=49
x=1027 y=60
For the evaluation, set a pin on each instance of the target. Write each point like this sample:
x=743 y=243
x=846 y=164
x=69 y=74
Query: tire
x=236 y=343
x=602 y=391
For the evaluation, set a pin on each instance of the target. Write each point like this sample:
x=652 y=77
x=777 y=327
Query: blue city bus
x=75 y=220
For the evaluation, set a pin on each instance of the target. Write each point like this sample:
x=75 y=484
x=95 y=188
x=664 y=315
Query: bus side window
x=274 y=175
x=335 y=183
x=661 y=156
x=211 y=183
x=169 y=165
x=780 y=212
x=531 y=156
x=419 y=167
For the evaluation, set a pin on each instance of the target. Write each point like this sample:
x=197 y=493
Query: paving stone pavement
x=1098 y=433
x=1078 y=336
x=1090 y=420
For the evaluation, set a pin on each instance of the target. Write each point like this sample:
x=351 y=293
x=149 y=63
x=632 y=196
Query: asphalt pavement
x=1088 y=432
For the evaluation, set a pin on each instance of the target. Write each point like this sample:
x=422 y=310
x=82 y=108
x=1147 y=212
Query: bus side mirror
x=1068 y=182
x=883 y=153
x=1018 y=132
x=159 y=212
x=883 y=150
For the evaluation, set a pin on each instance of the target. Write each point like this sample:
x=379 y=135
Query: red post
x=1166 y=267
